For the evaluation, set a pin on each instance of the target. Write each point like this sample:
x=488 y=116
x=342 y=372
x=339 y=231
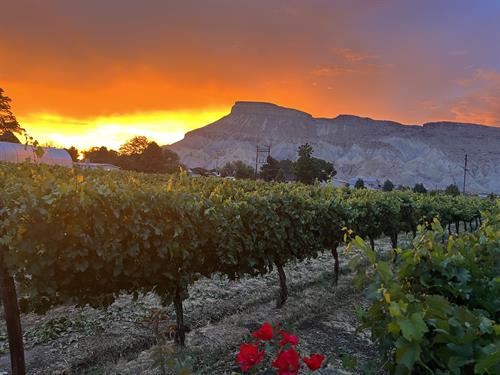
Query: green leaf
x=407 y=353
x=413 y=328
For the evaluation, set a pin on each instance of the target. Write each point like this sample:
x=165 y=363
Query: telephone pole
x=465 y=173
x=262 y=153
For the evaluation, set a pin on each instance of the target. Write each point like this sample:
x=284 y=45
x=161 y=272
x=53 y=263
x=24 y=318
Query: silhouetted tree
x=452 y=190
x=388 y=186
x=73 y=152
x=101 y=155
x=8 y=122
x=8 y=136
x=419 y=188
x=360 y=184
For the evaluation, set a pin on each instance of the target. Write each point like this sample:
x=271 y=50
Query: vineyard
x=87 y=238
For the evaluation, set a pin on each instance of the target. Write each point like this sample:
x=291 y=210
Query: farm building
x=18 y=153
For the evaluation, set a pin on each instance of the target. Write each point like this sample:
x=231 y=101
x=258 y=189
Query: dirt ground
x=125 y=338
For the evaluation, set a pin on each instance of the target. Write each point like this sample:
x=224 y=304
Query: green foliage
x=434 y=313
x=308 y=169
x=452 y=190
x=388 y=186
x=237 y=169
x=419 y=188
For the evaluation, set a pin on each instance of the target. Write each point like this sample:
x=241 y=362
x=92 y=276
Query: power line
x=465 y=173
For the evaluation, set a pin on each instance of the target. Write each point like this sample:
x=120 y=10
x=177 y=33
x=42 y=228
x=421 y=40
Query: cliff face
x=432 y=153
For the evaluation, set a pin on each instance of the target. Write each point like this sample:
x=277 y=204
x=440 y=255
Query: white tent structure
x=18 y=153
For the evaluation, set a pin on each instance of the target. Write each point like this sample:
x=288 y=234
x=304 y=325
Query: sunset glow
x=112 y=131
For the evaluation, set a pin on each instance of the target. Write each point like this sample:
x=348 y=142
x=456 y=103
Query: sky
x=97 y=72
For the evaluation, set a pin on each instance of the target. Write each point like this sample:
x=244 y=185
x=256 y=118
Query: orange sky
x=98 y=72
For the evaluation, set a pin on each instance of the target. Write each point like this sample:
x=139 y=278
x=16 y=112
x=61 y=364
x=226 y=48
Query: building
x=19 y=153
x=102 y=166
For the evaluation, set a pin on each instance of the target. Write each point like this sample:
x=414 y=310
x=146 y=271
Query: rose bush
x=279 y=348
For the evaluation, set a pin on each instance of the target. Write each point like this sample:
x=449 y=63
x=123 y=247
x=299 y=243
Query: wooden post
x=180 y=334
x=283 y=296
x=336 y=266
x=12 y=319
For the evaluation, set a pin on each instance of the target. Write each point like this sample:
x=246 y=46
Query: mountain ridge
x=431 y=153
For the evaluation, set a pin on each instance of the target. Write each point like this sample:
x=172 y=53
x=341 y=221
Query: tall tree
x=305 y=166
x=308 y=169
x=8 y=122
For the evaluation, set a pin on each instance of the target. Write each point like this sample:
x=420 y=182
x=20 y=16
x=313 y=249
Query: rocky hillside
x=432 y=153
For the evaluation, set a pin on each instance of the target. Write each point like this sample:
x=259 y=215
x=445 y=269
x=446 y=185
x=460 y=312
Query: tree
x=270 y=170
x=419 y=188
x=227 y=170
x=388 y=186
x=242 y=170
x=308 y=169
x=172 y=160
x=73 y=152
x=360 y=184
x=324 y=170
x=155 y=160
x=8 y=122
x=134 y=146
x=8 y=136
x=101 y=155
x=452 y=190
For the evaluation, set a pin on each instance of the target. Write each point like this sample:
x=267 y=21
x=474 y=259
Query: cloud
x=480 y=102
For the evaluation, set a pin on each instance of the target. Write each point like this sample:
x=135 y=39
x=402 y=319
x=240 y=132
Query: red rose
x=288 y=339
x=265 y=332
x=314 y=362
x=287 y=362
x=249 y=356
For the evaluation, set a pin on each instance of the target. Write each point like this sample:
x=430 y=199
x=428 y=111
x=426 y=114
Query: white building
x=370 y=182
x=19 y=153
x=102 y=166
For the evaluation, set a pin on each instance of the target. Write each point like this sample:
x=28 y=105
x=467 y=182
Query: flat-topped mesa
x=346 y=119
x=266 y=109
x=452 y=124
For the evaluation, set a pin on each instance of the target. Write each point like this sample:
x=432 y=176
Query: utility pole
x=465 y=174
x=262 y=153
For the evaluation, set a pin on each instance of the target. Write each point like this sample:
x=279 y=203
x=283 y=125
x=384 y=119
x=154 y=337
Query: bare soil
x=131 y=336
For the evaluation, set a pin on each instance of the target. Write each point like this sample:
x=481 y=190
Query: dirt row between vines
x=220 y=313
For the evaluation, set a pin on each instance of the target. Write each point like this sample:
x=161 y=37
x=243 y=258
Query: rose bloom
x=265 y=332
x=314 y=362
x=249 y=356
x=288 y=339
x=287 y=362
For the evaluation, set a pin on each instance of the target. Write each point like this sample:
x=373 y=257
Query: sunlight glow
x=164 y=127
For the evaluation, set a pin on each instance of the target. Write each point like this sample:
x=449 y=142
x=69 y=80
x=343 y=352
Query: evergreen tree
x=388 y=186
x=360 y=184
